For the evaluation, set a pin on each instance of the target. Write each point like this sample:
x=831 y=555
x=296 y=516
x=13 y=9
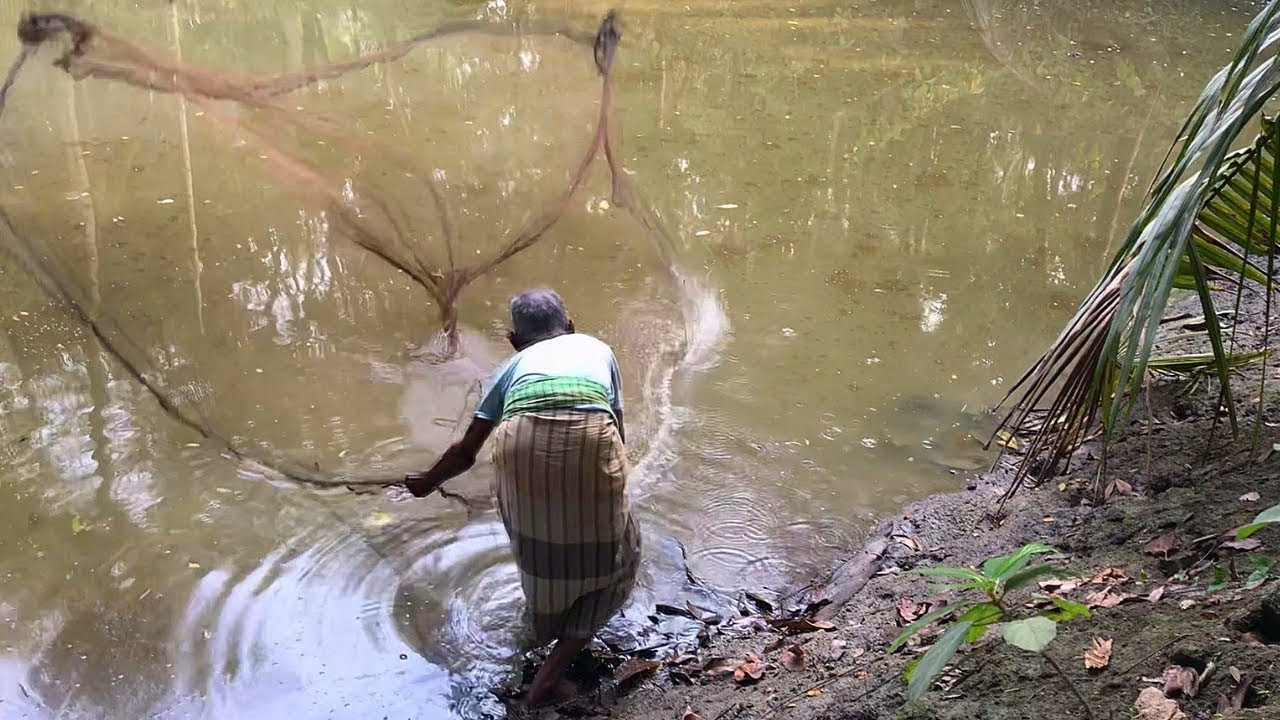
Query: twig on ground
x=726 y=711
x=843 y=673
x=1153 y=653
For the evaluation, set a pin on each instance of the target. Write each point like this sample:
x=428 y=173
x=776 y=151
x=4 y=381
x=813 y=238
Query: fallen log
x=849 y=579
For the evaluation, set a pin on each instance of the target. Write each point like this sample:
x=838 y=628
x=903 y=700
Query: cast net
x=266 y=255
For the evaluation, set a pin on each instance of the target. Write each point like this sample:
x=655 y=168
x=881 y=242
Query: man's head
x=537 y=315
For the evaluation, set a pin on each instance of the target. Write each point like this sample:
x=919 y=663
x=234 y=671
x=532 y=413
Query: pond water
x=879 y=213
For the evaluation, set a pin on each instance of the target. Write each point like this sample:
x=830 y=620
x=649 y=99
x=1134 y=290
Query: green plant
x=1260 y=569
x=1270 y=516
x=1209 y=221
x=986 y=605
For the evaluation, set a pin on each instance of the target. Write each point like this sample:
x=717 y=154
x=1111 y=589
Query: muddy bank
x=1184 y=480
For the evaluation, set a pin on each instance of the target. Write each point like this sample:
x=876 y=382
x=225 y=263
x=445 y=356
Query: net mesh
x=329 y=237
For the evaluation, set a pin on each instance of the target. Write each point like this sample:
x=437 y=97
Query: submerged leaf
x=79 y=525
x=379 y=519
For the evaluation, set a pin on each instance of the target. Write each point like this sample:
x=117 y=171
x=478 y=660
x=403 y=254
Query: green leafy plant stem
x=1088 y=711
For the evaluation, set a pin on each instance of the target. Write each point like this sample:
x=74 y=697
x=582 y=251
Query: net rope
x=86 y=51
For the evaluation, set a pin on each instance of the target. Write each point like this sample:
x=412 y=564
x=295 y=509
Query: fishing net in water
x=266 y=253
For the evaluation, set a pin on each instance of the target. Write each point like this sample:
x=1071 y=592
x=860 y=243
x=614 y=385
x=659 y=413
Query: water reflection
x=879 y=213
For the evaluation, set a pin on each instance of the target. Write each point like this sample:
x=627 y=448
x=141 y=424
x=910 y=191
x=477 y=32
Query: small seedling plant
x=1261 y=566
x=984 y=604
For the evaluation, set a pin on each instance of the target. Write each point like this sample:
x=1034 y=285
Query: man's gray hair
x=537 y=314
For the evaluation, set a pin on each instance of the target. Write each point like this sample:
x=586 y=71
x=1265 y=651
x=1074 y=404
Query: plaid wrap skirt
x=560 y=488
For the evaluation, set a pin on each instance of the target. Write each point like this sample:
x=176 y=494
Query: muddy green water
x=881 y=212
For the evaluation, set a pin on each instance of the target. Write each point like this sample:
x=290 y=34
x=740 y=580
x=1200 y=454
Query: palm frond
x=1208 y=221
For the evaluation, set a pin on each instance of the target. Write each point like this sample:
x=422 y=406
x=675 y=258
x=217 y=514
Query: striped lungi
x=560 y=485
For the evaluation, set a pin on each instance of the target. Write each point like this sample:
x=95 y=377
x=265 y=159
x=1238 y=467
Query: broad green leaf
x=933 y=661
x=983 y=614
x=955 y=572
x=974 y=585
x=1261 y=569
x=1266 y=517
x=1033 y=634
x=1067 y=610
x=981 y=617
x=1029 y=575
x=915 y=627
x=999 y=568
x=910 y=670
x=1220 y=578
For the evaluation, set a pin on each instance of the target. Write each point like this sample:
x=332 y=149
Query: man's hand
x=420 y=484
x=456 y=460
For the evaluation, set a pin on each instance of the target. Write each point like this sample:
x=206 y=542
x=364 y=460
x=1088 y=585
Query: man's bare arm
x=459 y=458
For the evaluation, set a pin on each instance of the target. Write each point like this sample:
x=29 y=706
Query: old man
x=555 y=411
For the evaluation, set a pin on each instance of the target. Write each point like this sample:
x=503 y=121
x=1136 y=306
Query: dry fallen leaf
x=689 y=714
x=634 y=668
x=1060 y=585
x=1250 y=497
x=908 y=611
x=748 y=672
x=1235 y=673
x=793 y=658
x=908 y=542
x=1162 y=545
x=813 y=692
x=1156 y=594
x=837 y=649
x=720 y=666
x=1098 y=656
x=800 y=626
x=1244 y=545
x=1110 y=576
x=1180 y=681
x=1106 y=598
x=1228 y=705
x=1153 y=705
x=1117 y=486
x=775 y=645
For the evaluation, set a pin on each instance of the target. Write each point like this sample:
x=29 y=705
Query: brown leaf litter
x=1098 y=656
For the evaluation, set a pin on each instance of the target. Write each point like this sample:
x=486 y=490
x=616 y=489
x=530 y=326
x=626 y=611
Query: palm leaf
x=1208 y=219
